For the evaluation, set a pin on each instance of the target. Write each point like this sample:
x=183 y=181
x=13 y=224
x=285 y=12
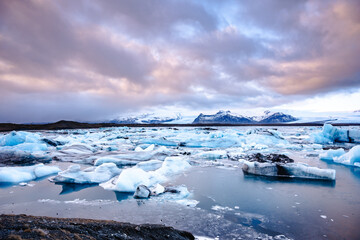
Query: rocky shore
x=31 y=227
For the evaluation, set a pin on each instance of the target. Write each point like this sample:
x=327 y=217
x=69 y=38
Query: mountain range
x=228 y=117
x=225 y=117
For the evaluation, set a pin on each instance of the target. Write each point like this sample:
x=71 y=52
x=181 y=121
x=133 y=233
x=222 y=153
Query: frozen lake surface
x=220 y=201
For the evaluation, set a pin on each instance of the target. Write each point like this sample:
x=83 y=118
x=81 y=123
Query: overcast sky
x=91 y=60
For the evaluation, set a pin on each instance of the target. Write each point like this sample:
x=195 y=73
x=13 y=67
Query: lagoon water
x=223 y=203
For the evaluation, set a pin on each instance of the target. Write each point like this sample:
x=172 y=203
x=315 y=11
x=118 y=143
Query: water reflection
x=120 y=196
x=73 y=187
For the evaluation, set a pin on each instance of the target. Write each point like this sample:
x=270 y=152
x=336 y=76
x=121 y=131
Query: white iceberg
x=150 y=165
x=132 y=158
x=130 y=178
x=329 y=155
x=212 y=155
x=293 y=170
x=98 y=174
x=25 y=174
x=350 y=158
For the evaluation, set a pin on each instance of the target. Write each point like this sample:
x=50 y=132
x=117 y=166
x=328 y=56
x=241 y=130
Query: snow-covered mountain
x=228 y=117
x=149 y=118
x=222 y=117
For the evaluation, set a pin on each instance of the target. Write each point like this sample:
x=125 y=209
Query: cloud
x=89 y=60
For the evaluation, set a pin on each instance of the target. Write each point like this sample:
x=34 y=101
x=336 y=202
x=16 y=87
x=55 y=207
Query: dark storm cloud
x=87 y=60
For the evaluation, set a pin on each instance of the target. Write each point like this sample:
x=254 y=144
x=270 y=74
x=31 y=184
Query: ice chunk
x=132 y=158
x=148 y=149
x=25 y=174
x=329 y=155
x=350 y=158
x=160 y=142
x=130 y=178
x=22 y=141
x=296 y=170
x=117 y=161
x=212 y=155
x=15 y=138
x=98 y=174
x=142 y=191
x=158 y=189
x=150 y=165
x=332 y=134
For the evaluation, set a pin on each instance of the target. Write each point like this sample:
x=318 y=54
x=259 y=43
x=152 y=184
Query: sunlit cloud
x=58 y=58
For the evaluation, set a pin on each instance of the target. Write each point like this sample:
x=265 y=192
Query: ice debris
x=130 y=178
x=329 y=155
x=293 y=170
x=142 y=191
x=25 y=174
x=350 y=158
x=99 y=174
x=331 y=134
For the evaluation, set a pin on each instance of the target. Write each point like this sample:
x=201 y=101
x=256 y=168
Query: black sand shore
x=30 y=227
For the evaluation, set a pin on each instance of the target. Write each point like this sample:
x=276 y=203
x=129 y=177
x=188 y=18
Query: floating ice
x=132 y=158
x=212 y=155
x=295 y=170
x=150 y=165
x=98 y=174
x=148 y=149
x=329 y=155
x=350 y=158
x=25 y=174
x=22 y=141
x=130 y=178
x=331 y=134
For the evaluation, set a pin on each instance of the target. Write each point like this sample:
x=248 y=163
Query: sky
x=93 y=60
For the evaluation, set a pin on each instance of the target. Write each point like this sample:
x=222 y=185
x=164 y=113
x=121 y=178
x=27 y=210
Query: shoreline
x=6 y=127
x=34 y=227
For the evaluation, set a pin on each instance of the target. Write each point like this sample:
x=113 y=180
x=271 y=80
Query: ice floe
x=99 y=174
x=293 y=170
x=130 y=178
x=25 y=174
x=331 y=134
x=350 y=158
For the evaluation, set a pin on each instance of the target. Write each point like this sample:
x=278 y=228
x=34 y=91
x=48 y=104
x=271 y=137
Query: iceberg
x=25 y=174
x=22 y=141
x=350 y=158
x=213 y=155
x=99 y=174
x=132 y=158
x=15 y=138
x=329 y=155
x=130 y=178
x=292 y=170
x=150 y=165
x=331 y=134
